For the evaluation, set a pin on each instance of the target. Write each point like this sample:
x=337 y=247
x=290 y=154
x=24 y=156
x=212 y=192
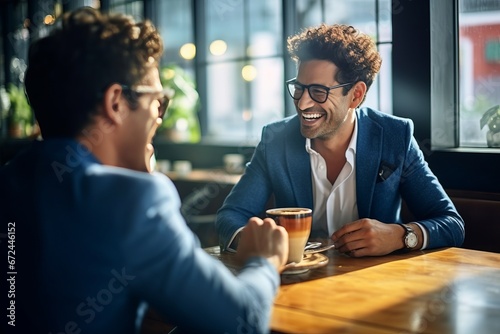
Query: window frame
x=474 y=169
x=201 y=61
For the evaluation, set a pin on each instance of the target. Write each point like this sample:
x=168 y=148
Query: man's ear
x=358 y=92
x=114 y=104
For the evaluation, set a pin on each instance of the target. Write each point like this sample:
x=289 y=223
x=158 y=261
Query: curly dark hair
x=354 y=53
x=70 y=69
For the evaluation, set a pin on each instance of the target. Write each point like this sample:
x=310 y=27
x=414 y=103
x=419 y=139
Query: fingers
x=256 y=221
x=347 y=234
x=280 y=241
x=349 y=242
x=366 y=237
x=355 y=238
x=346 y=229
x=264 y=238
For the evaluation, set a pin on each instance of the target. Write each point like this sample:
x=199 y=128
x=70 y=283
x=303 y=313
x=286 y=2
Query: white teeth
x=311 y=116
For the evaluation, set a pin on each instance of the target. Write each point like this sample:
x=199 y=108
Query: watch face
x=411 y=240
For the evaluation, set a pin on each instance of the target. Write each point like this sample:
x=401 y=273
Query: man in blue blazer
x=93 y=236
x=353 y=166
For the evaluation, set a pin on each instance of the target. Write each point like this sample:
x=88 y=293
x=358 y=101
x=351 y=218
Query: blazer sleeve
x=180 y=280
x=428 y=201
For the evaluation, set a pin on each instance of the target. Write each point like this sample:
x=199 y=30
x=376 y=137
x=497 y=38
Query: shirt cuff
x=425 y=237
x=229 y=248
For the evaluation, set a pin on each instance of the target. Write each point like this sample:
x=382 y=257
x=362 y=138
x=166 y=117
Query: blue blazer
x=95 y=243
x=390 y=168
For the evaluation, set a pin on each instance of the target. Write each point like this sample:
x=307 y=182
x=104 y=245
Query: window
x=465 y=41
x=243 y=59
x=426 y=90
x=177 y=31
x=479 y=68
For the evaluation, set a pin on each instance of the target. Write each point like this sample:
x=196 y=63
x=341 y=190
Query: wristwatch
x=410 y=238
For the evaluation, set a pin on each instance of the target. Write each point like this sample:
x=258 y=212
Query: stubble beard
x=324 y=132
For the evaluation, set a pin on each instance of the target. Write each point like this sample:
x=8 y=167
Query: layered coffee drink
x=297 y=222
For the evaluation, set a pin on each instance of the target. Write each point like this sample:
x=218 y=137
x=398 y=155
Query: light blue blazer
x=95 y=243
x=390 y=168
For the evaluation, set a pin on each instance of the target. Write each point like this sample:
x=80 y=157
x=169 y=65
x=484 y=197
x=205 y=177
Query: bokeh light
x=188 y=51
x=218 y=47
x=249 y=72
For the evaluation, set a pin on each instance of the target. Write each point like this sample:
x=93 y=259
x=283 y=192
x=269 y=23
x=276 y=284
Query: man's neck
x=97 y=138
x=338 y=142
x=333 y=150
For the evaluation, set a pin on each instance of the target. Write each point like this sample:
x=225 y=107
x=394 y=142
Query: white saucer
x=310 y=261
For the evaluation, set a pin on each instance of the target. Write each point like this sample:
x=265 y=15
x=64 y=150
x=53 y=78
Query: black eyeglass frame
x=308 y=87
x=166 y=96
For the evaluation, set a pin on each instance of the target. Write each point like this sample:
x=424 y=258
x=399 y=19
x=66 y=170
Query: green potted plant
x=181 y=122
x=21 y=117
x=491 y=117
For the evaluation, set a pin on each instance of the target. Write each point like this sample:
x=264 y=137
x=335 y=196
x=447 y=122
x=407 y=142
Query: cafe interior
x=227 y=62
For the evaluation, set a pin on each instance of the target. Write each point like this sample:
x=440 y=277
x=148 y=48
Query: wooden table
x=206 y=176
x=451 y=290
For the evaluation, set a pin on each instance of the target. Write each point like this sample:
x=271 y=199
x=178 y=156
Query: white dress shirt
x=334 y=205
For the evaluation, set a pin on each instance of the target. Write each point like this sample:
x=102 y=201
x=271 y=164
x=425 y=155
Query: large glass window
x=175 y=20
x=177 y=31
x=479 y=68
x=243 y=59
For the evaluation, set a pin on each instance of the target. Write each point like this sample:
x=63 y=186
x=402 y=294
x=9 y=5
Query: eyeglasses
x=318 y=93
x=164 y=99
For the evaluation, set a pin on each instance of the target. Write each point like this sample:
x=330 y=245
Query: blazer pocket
x=385 y=170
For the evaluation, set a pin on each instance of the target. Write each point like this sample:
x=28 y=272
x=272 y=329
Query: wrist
x=410 y=237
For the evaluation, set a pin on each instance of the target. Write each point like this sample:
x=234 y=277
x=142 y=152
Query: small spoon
x=311 y=245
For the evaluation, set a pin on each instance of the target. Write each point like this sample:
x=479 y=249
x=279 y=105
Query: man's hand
x=368 y=237
x=263 y=238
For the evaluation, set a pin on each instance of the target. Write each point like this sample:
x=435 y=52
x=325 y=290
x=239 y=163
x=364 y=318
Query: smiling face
x=323 y=120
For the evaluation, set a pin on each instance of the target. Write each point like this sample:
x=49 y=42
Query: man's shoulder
x=110 y=177
x=289 y=121
x=283 y=128
x=367 y=113
x=124 y=188
x=389 y=124
x=283 y=132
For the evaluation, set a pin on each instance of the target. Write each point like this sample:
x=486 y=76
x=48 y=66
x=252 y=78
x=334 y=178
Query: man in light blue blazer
x=94 y=235
x=353 y=166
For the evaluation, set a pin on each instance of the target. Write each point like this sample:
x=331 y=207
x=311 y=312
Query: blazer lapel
x=299 y=166
x=368 y=157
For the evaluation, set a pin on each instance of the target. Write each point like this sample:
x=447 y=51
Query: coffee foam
x=289 y=211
